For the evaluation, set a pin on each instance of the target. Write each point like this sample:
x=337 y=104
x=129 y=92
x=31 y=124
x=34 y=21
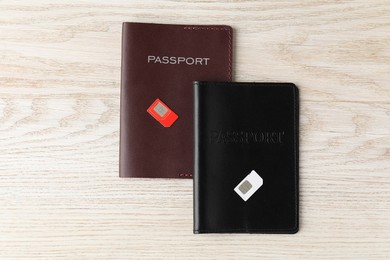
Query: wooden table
x=60 y=195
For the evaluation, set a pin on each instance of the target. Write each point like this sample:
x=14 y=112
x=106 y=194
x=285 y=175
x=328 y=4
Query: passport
x=159 y=64
x=246 y=157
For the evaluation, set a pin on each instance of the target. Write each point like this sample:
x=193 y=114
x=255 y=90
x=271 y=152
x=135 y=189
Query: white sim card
x=249 y=185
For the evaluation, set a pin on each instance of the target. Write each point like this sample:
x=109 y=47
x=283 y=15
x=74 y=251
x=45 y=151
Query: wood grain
x=60 y=195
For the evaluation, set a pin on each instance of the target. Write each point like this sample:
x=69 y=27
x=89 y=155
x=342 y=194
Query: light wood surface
x=60 y=195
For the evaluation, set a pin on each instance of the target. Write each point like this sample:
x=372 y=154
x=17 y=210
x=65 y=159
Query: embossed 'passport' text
x=246 y=137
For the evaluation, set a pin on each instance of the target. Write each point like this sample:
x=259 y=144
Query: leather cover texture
x=240 y=128
x=160 y=61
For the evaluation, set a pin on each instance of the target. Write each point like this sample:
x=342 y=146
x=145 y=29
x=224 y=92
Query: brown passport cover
x=148 y=149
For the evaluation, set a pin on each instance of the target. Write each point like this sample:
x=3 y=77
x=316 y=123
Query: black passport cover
x=241 y=127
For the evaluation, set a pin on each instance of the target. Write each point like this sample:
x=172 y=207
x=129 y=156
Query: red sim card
x=162 y=113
